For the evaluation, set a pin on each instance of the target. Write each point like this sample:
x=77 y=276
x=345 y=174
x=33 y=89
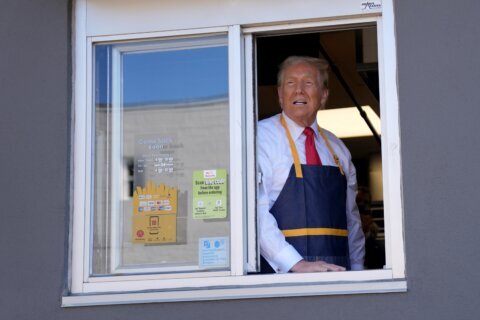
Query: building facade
x=437 y=75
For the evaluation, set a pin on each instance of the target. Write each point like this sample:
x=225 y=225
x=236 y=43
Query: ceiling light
x=347 y=122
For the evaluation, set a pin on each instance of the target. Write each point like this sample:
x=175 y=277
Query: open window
x=354 y=88
x=164 y=173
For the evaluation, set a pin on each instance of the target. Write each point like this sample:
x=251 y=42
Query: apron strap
x=293 y=148
x=335 y=157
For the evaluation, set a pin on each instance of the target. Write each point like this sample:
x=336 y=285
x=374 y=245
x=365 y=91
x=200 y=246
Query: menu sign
x=156 y=156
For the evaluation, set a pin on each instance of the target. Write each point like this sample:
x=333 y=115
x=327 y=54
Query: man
x=308 y=218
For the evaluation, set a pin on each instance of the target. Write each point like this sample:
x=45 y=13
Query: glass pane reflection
x=161 y=125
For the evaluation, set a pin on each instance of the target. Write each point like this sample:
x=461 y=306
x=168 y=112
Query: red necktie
x=310 y=150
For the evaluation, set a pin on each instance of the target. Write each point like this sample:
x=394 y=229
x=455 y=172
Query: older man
x=308 y=218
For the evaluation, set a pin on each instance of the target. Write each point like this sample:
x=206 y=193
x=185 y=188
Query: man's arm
x=356 y=238
x=273 y=247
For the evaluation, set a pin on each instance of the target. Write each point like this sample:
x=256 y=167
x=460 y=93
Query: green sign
x=209 y=194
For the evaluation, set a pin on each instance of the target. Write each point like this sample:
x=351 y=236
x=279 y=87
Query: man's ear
x=324 y=97
x=280 y=98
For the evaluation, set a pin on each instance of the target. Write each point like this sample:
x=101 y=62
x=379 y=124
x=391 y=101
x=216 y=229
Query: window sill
x=238 y=292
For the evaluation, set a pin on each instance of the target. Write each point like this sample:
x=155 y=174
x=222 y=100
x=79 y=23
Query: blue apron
x=311 y=210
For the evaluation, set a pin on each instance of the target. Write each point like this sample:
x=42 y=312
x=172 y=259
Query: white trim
x=154 y=274
x=237 y=217
x=391 y=151
x=328 y=24
x=79 y=152
x=116 y=151
x=248 y=292
x=178 y=282
x=162 y=34
x=172 y=43
x=109 y=17
x=88 y=174
x=253 y=252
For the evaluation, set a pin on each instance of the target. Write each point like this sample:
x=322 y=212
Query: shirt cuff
x=285 y=259
x=356 y=266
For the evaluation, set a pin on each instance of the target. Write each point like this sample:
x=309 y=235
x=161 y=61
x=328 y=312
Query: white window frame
x=86 y=290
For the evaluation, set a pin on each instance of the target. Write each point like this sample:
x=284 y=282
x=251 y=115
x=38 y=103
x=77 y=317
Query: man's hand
x=315 y=266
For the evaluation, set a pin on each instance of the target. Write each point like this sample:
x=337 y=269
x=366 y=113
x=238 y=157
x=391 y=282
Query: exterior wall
x=438 y=83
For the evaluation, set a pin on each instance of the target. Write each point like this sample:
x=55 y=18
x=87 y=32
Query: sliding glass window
x=161 y=157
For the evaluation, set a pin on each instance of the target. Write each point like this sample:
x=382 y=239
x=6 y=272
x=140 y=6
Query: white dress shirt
x=275 y=159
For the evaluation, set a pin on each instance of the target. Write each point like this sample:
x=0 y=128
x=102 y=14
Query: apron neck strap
x=334 y=155
x=293 y=149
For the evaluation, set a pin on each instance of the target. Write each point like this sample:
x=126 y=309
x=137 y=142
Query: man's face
x=301 y=94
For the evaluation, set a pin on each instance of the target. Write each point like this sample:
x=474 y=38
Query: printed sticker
x=371 y=5
x=213 y=252
x=209 y=194
x=154 y=224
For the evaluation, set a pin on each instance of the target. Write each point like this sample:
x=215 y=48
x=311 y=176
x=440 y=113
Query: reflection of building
x=164 y=143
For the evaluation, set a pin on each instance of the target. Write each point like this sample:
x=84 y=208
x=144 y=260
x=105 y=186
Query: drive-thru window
x=167 y=101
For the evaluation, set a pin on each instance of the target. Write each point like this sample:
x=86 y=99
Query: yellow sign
x=154 y=218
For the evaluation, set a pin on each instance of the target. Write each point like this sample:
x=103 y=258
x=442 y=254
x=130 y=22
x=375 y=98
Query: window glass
x=161 y=157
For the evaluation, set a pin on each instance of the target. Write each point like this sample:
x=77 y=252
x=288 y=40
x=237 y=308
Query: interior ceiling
x=349 y=52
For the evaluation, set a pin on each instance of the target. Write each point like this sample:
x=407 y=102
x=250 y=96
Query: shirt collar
x=295 y=130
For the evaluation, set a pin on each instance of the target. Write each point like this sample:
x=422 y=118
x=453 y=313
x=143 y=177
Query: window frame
x=83 y=172
x=85 y=290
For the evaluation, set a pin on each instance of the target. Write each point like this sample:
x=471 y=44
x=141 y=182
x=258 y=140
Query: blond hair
x=320 y=64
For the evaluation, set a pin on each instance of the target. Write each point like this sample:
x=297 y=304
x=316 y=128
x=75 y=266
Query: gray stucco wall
x=438 y=81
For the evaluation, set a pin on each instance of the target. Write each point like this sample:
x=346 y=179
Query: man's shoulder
x=269 y=127
x=272 y=121
x=336 y=143
x=331 y=136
